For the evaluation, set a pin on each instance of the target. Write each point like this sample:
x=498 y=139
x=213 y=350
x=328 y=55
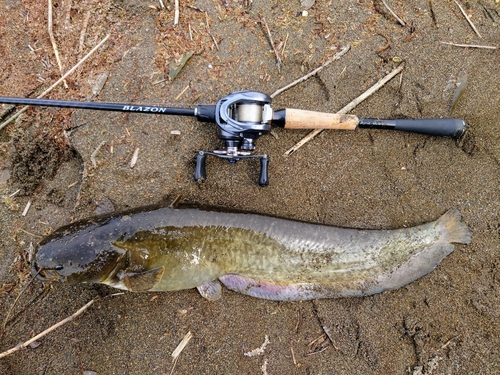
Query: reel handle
x=264 y=178
x=200 y=171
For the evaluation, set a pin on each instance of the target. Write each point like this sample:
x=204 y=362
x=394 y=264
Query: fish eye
x=58 y=268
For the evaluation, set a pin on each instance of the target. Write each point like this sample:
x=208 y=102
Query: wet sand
x=443 y=323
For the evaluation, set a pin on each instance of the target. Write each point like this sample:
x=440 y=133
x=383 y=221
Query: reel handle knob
x=264 y=178
x=200 y=170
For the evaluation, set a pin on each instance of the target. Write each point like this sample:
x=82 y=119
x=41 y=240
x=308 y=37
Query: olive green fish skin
x=172 y=249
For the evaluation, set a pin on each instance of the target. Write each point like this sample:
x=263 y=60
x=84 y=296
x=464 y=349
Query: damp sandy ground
x=445 y=323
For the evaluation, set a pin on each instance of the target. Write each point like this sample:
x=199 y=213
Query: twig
x=468 y=19
x=17 y=298
x=13 y=117
x=162 y=6
x=449 y=342
x=209 y=33
x=337 y=56
x=93 y=155
x=349 y=107
x=387 y=45
x=271 y=41
x=28 y=205
x=394 y=14
x=53 y=40
x=14 y=193
x=469 y=45
x=433 y=15
x=158 y=82
x=293 y=355
x=176 y=12
x=182 y=92
x=327 y=332
x=54 y=327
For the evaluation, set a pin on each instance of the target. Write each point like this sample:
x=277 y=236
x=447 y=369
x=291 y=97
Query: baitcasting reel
x=241 y=118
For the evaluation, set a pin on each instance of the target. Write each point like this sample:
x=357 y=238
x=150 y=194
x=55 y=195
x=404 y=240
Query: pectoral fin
x=142 y=281
x=211 y=291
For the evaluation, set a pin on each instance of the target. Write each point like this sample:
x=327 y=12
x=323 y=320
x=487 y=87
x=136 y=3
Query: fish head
x=79 y=256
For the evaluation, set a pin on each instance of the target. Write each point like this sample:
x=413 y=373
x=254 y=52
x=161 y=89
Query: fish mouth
x=44 y=274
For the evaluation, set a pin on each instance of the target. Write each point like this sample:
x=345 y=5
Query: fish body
x=168 y=249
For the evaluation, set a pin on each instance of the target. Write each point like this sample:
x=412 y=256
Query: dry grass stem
x=83 y=32
x=135 y=156
x=468 y=19
x=22 y=110
x=403 y=23
x=322 y=337
x=26 y=209
x=337 y=56
x=317 y=351
x=469 y=45
x=177 y=351
x=29 y=233
x=53 y=41
x=47 y=331
x=271 y=41
x=190 y=31
x=176 y=13
x=284 y=45
x=349 y=107
x=14 y=193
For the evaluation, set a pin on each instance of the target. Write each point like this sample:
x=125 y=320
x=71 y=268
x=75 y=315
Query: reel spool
x=249 y=112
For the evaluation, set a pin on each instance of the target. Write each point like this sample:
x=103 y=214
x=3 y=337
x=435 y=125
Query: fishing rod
x=244 y=116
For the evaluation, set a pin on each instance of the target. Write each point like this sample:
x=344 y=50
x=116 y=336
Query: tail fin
x=456 y=230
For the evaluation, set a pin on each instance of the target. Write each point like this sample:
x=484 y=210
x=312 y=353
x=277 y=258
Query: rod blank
x=117 y=107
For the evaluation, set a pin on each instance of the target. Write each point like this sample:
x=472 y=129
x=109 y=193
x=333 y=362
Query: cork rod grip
x=300 y=119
